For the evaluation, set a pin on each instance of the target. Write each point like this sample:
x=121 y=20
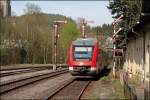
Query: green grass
x=135 y=80
x=105 y=78
x=117 y=88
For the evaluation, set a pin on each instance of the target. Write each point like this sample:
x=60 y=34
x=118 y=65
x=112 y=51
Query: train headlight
x=93 y=68
x=70 y=68
x=81 y=63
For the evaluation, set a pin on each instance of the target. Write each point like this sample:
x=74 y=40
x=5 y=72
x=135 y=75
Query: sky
x=90 y=10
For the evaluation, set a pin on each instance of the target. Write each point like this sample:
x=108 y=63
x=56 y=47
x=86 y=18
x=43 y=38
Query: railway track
x=14 y=72
x=73 y=89
x=35 y=66
x=8 y=86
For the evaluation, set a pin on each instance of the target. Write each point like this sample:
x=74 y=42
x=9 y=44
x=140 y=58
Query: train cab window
x=80 y=52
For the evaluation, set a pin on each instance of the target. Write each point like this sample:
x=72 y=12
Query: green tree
x=28 y=38
x=69 y=32
x=32 y=9
x=107 y=29
x=130 y=9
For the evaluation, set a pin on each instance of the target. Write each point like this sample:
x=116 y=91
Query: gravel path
x=99 y=90
x=36 y=90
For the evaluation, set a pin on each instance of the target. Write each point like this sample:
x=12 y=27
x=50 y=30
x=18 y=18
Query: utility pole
x=114 y=41
x=56 y=24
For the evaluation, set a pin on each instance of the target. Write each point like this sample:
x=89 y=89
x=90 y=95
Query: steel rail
x=19 y=72
x=4 y=68
x=6 y=87
x=66 y=85
x=81 y=93
x=59 y=89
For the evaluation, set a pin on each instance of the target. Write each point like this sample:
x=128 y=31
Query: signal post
x=84 y=23
x=56 y=24
x=114 y=41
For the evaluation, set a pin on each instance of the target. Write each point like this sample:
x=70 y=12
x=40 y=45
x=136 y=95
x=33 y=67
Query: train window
x=80 y=52
x=83 y=49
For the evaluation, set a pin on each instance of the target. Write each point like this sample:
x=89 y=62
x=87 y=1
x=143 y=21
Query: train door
x=100 y=59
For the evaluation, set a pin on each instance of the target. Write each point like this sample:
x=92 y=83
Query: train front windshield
x=80 y=52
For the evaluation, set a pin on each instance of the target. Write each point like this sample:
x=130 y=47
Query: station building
x=5 y=8
x=137 y=57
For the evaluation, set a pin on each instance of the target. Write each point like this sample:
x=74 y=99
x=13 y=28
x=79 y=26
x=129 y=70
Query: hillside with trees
x=28 y=38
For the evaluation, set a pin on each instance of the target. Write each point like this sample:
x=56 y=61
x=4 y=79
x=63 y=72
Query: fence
x=129 y=90
x=146 y=94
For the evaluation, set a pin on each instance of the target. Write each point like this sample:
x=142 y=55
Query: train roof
x=85 y=41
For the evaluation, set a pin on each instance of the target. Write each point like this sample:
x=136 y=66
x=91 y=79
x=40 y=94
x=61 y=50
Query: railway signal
x=114 y=39
x=84 y=23
x=56 y=24
x=118 y=19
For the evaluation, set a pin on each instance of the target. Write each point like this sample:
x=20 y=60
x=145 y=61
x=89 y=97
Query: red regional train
x=85 y=57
